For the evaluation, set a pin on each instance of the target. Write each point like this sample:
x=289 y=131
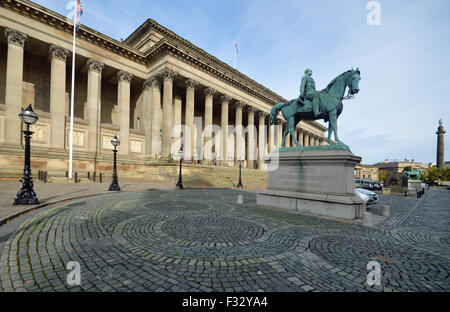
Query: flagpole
x=235 y=56
x=72 y=95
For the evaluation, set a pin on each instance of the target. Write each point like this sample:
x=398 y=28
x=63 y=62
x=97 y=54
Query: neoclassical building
x=139 y=89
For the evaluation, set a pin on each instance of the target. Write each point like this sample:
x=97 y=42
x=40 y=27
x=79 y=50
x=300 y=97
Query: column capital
x=225 y=99
x=279 y=122
x=152 y=82
x=190 y=84
x=168 y=74
x=262 y=114
x=251 y=109
x=95 y=65
x=15 y=37
x=239 y=104
x=210 y=92
x=124 y=76
x=58 y=52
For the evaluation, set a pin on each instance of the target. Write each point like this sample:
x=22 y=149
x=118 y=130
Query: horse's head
x=353 y=81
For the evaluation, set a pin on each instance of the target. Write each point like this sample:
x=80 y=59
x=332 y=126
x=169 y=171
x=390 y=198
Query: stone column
x=14 y=77
x=123 y=103
x=300 y=136
x=311 y=140
x=262 y=139
x=168 y=77
x=440 y=146
x=153 y=85
x=225 y=100
x=189 y=117
x=209 y=96
x=279 y=132
x=147 y=116
x=177 y=103
x=58 y=57
x=239 y=152
x=95 y=69
x=271 y=139
x=306 y=139
x=251 y=144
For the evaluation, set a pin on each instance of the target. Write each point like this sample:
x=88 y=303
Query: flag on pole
x=79 y=12
x=236 y=51
x=236 y=46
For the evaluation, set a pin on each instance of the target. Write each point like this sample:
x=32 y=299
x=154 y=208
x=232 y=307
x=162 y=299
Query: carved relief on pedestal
x=136 y=146
x=78 y=138
x=40 y=134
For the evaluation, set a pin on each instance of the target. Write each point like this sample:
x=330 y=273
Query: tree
x=382 y=176
x=434 y=174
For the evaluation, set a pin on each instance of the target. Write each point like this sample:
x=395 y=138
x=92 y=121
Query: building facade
x=141 y=89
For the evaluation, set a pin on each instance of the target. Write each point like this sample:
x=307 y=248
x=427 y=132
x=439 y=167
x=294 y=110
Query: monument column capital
x=95 y=65
x=239 y=105
x=168 y=74
x=190 y=84
x=152 y=82
x=251 y=109
x=124 y=76
x=209 y=92
x=225 y=99
x=15 y=37
x=58 y=52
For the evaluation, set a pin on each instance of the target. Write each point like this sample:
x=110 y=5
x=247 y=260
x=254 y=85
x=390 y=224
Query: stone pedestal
x=318 y=180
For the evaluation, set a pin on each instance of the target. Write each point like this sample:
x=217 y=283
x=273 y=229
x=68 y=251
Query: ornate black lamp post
x=240 y=185
x=27 y=196
x=180 y=176
x=115 y=182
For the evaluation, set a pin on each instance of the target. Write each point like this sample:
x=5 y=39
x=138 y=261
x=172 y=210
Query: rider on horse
x=308 y=91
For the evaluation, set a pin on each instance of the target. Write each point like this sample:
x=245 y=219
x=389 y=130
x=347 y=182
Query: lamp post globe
x=26 y=195
x=114 y=187
x=180 y=176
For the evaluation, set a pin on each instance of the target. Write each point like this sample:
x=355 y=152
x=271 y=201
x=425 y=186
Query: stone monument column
x=279 y=123
x=262 y=135
x=271 y=139
x=14 y=77
x=123 y=99
x=209 y=96
x=177 y=103
x=58 y=57
x=168 y=77
x=306 y=139
x=238 y=152
x=95 y=69
x=225 y=99
x=300 y=136
x=440 y=145
x=251 y=137
x=147 y=116
x=189 y=117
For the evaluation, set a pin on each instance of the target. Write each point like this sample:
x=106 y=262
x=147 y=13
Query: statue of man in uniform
x=308 y=90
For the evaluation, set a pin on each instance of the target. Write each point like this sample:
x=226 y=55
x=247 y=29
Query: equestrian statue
x=315 y=105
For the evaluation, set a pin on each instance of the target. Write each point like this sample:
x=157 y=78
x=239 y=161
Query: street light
x=115 y=182
x=26 y=195
x=180 y=177
x=240 y=185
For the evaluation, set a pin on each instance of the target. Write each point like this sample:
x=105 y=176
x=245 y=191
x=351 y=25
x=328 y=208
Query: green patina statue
x=313 y=105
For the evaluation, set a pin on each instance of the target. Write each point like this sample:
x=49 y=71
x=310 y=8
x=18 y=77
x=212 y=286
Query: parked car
x=448 y=187
x=377 y=186
x=368 y=185
x=369 y=197
x=358 y=182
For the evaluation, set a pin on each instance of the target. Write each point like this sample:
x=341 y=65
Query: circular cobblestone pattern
x=201 y=240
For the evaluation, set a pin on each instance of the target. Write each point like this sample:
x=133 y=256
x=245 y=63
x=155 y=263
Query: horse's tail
x=275 y=111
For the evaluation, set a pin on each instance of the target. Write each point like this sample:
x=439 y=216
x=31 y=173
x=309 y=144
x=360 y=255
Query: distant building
x=399 y=166
x=366 y=172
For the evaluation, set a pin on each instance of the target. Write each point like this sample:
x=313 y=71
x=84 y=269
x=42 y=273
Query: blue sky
x=404 y=62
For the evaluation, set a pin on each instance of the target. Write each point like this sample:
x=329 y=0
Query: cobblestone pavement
x=201 y=240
